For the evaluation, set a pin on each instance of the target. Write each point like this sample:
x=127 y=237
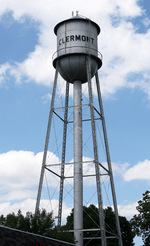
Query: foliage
x=141 y=223
x=91 y=220
x=41 y=223
x=60 y=234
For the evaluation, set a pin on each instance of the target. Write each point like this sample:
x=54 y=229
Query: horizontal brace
x=69 y=163
x=86 y=176
x=92 y=175
x=85 y=120
x=83 y=105
x=98 y=238
x=94 y=229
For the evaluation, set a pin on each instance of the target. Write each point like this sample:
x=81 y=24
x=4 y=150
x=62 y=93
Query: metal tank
x=76 y=38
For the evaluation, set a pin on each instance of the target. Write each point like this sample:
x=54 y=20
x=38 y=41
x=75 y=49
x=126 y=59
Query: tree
x=41 y=223
x=91 y=220
x=141 y=223
x=60 y=234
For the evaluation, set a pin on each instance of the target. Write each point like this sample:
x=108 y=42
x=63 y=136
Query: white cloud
x=129 y=8
x=37 y=67
x=21 y=169
x=128 y=210
x=146 y=22
x=15 y=168
x=16 y=194
x=139 y=171
x=29 y=205
x=19 y=177
x=119 y=168
x=20 y=172
x=124 y=54
x=3 y=72
x=46 y=98
x=25 y=206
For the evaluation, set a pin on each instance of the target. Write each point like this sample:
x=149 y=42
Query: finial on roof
x=77 y=12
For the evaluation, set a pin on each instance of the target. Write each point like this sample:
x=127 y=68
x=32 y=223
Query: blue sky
x=26 y=79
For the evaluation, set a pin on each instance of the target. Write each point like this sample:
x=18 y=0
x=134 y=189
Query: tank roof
x=77 y=18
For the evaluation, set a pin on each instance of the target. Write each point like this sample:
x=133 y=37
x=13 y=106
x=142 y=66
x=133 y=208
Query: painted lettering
x=72 y=38
x=38 y=244
x=92 y=40
x=83 y=38
x=75 y=38
x=88 y=39
x=67 y=39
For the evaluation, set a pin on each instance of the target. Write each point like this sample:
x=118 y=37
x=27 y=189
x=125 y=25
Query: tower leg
x=78 y=177
x=109 y=160
x=63 y=155
x=46 y=142
x=99 y=193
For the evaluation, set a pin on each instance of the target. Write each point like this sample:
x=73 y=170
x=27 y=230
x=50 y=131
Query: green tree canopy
x=91 y=220
x=41 y=223
x=141 y=222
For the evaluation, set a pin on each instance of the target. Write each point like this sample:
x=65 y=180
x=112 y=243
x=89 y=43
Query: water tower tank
x=76 y=38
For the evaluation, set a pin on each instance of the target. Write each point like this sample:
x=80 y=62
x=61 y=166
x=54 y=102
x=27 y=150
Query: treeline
x=42 y=223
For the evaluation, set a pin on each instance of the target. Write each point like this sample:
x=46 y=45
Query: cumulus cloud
x=21 y=169
x=3 y=72
x=119 y=168
x=29 y=205
x=146 y=22
x=128 y=210
x=25 y=206
x=140 y=171
x=19 y=177
x=15 y=168
x=20 y=173
x=37 y=67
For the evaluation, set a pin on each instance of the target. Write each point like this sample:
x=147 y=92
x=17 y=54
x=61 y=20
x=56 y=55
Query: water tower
x=77 y=60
